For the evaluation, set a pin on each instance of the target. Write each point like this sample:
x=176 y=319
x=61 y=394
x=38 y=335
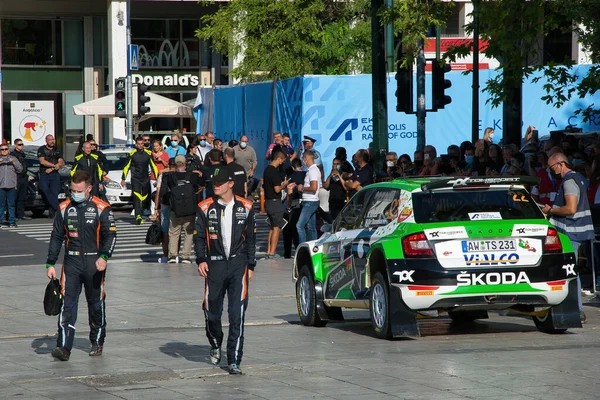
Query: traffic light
x=404 y=88
x=121 y=97
x=142 y=100
x=440 y=84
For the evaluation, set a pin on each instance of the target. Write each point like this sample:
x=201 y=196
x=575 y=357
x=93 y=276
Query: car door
x=338 y=250
x=381 y=209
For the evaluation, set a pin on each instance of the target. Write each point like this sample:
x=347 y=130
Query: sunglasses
x=4 y=149
x=19 y=144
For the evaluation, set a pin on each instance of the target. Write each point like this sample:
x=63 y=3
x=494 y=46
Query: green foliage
x=283 y=39
x=412 y=19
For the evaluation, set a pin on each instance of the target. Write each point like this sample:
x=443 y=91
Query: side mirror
x=326 y=228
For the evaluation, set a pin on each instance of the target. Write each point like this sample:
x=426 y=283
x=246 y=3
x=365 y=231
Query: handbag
x=53 y=298
x=154 y=234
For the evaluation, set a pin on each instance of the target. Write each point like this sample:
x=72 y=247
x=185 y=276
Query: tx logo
x=459 y=182
x=569 y=269
x=521 y=230
x=435 y=234
x=404 y=276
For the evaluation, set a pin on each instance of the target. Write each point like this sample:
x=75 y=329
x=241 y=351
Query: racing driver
x=87 y=226
x=225 y=254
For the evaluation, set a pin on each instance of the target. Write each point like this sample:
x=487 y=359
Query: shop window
x=166 y=43
x=73 y=42
x=31 y=42
x=455 y=22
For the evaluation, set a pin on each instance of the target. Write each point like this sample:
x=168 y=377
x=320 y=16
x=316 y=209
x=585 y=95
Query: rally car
x=427 y=246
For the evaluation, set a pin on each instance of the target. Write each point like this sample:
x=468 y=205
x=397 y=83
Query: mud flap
x=321 y=309
x=403 y=321
x=566 y=314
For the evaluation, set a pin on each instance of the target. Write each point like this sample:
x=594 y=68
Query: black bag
x=182 y=197
x=53 y=299
x=154 y=234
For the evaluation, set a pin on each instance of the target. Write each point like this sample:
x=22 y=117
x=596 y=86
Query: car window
x=350 y=216
x=467 y=205
x=382 y=208
x=115 y=161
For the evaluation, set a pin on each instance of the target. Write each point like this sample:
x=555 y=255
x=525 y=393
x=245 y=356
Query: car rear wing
x=460 y=182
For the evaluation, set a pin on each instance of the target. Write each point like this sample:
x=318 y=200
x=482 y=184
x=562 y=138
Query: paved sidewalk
x=156 y=348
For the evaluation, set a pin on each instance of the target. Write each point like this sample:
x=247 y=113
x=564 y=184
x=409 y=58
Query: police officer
x=87 y=226
x=309 y=145
x=225 y=254
x=89 y=162
x=50 y=162
x=570 y=213
x=140 y=159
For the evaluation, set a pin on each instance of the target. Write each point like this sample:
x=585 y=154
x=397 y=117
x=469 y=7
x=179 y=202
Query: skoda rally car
x=427 y=246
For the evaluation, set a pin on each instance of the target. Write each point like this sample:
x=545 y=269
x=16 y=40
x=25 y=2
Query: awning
x=160 y=106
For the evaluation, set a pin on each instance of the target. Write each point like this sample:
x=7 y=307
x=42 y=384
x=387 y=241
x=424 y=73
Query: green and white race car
x=427 y=246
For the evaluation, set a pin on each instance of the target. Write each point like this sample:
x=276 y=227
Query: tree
x=510 y=29
x=283 y=39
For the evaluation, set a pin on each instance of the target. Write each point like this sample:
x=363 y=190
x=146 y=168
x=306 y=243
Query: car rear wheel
x=546 y=323
x=379 y=306
x=306 y=299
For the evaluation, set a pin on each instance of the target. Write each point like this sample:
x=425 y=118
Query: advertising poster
x=32 y=121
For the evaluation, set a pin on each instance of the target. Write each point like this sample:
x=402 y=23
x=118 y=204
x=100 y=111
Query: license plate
x=474 y=246
x=62 y=196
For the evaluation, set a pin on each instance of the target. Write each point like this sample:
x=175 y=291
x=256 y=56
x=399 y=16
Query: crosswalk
x=131 y=239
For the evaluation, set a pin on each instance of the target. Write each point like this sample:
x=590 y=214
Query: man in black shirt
x=335 y=184
x=240 y=181
x=50 y=162
x=214 y=161
x=363 y=175
x=273 y=185
x=22 y=179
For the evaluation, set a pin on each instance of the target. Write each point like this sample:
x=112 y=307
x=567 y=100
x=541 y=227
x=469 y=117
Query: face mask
x=243 y=145
x=173 y=143
x=338 y=167
x=491 y=135
x=78 y=197
x=426 y=156
x=390 y=164
x=203 y=143
x=469 y=159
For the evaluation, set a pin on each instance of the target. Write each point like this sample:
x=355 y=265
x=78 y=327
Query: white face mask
x=426 y=156
x=491 y=135
x=390 y=163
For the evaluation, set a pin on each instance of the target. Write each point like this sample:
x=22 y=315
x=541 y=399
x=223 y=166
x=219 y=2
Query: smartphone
x=535 y=135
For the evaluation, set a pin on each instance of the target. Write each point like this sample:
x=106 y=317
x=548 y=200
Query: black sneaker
x=95 y=351
x=234 y=369
x=12 y=226
x=172 y=260
x=60 y=353
x=215 y=356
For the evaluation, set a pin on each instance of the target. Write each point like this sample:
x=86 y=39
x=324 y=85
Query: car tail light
x=552 y=243
x=416 y=245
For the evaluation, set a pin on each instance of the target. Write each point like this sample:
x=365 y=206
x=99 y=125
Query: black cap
x=309 y=139
x=222 y=175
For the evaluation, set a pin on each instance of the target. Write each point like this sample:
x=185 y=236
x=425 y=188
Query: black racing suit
x=139 y=161
x=226 y=273
x=90 y=164
x=89 y=231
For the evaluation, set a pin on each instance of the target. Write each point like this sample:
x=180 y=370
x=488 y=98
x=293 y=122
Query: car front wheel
x=306 y=299
x=379 y=306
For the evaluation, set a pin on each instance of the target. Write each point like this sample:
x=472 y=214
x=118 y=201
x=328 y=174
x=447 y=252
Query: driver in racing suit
x=87 y=226
x=225 y=254
x=140 y=159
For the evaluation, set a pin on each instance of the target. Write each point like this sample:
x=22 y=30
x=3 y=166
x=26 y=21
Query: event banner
x=32 y=120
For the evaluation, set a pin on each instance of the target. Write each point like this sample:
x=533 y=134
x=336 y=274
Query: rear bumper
x=425 y=284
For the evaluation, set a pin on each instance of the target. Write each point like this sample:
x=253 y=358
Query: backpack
x=53 y=298
x=154 y=234
x=182 y=197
